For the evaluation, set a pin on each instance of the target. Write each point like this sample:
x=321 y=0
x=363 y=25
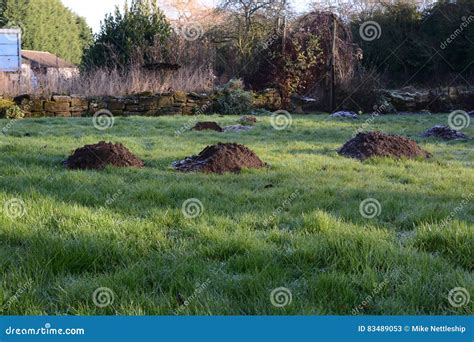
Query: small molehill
x=98 y=156
x=221 y=158
x=208 y=125
x=378 y=144
x=248 y=120
x=444 y=132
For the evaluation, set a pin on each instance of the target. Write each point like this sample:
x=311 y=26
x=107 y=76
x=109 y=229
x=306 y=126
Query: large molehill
x=378 y=144
x=100 y=155
x=221 y=158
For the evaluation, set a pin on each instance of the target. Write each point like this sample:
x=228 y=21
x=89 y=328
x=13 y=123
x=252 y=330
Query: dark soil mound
x=221 y=158
x=378 y=144
x=100 y=155
x=207 y=125
x=444 y=132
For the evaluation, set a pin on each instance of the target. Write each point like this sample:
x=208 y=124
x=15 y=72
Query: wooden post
x=332 y=87
x=284 y=36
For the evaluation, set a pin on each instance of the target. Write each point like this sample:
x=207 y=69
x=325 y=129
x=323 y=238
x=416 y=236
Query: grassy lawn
x=124 y=229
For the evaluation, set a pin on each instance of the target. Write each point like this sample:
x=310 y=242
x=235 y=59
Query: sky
x=95 y=10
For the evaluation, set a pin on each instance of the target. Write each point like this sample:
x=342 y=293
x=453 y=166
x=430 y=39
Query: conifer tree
x=47 y=25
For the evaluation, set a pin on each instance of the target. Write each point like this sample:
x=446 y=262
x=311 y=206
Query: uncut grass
x=123 y=228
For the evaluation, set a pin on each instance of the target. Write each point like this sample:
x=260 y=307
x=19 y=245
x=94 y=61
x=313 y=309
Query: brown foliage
x=302 y=65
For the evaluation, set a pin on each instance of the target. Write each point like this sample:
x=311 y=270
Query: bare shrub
x=139 y=80
x=301 y=65
x=178 y=64
x=114 y=82
x=320 y=23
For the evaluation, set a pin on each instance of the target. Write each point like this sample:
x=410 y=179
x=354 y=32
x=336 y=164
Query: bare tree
x=247 y=9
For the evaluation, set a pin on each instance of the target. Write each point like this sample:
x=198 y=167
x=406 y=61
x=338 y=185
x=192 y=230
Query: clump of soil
x=98 y=156
x=208 y=125
x=378 y=144
x=444 y=132
x=221 y=158
x=248 y=120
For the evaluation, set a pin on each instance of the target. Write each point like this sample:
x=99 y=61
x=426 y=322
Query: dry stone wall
x=435 y=100
x=178 y=103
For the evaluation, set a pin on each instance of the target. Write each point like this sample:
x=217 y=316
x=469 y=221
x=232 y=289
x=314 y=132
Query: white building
x=39 y=65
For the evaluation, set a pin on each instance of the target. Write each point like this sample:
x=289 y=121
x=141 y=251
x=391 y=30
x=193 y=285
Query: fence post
x=332 y=88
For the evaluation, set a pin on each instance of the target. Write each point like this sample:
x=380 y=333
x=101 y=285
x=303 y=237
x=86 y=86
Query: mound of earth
x=98 y=156
x=444 y=132
x=207 y=125
x=221 y=158
x=248 y=120
x=378 y=144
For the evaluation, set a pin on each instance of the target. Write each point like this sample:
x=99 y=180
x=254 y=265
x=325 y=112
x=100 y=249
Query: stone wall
x=178 y=103
x=56 y=105
x=440 y=99
x=147 y=104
